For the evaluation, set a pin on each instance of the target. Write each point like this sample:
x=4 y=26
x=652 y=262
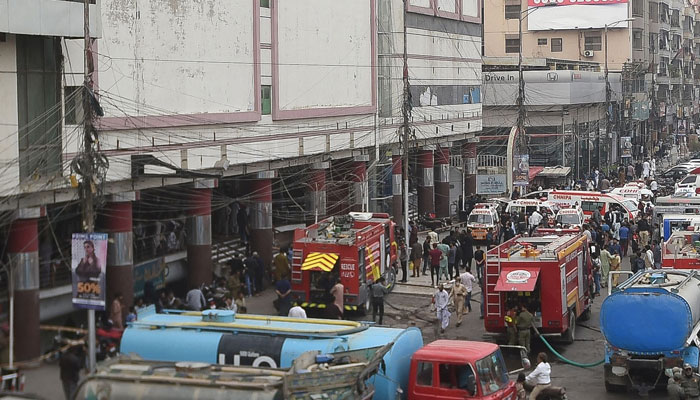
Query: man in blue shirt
x=614 y=248
x=624 y=238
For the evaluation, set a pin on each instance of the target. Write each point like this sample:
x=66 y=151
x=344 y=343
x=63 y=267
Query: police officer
x=511 y=329
x=523 y=323
x=690 y=383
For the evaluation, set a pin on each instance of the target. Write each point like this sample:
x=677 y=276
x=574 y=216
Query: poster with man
x=88 y=266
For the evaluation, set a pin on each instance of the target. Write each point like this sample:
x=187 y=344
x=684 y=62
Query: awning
x=534 y=171
x=521 y=279
x=319 y=262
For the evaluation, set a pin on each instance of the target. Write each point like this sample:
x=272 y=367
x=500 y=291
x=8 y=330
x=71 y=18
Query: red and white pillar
x=469 y=159
x=23 y=249
x=199 y=233
x=442 y=181
x=359 y=191
x=426 y=194
x=118 y=222
x=317 y=200
x=260 y=200
x=396 y=188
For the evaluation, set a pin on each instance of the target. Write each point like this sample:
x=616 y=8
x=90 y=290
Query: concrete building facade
x=214 y=102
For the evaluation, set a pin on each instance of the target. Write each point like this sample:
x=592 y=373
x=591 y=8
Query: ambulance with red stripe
x=589 y=201
x=357 y=249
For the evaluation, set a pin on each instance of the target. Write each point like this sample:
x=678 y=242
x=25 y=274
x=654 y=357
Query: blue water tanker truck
x=650 y=323
x=223 y=337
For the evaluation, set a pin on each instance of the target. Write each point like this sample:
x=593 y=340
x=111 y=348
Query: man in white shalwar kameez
x=441 y=298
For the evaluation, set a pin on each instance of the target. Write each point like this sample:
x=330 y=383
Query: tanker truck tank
x=650 y=323
x=223 y=337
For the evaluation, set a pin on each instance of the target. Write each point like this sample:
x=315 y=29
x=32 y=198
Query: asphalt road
x=581 y=383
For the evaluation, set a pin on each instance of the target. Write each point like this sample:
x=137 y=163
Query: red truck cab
x=457 y=369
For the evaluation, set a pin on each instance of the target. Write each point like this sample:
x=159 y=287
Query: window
x=593 y=42
x=591 y=205
x=424 y=374
x=73 y=105
x=637 y=8
x=637 y=39
x=265 y=3
x=654 y=12
x=38 y=106
x=458 y=377
x=542 y=42
x=494 y=375
x=557 y=45
x=512 y=11
x=480 y=219
x=512 y=45
x=266 y=99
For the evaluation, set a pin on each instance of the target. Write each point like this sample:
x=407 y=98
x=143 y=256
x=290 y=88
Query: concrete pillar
x=359 y=191
x=469 y=158
x=199 y=233
x=426 y=195
x=118 y=223
x=23 y=249
x=316 y=199
x=396 y=186
x=260 y=204
x=442 y=181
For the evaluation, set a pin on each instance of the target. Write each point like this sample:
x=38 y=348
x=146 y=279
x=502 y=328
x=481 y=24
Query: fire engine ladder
x=492 y=273
x=297 y=259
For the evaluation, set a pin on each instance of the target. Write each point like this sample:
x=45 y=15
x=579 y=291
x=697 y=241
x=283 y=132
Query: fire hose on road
x=564 y=359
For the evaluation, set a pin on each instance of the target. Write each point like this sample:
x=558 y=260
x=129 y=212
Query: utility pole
x=521 y=89
x=406 y=109
x=88 y=187
x=607 y=98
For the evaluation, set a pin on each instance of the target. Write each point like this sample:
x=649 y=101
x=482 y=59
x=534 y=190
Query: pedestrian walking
x=605 y=257
x=480 y=259
x=403 y=260
x=511 y=327
x=468 y=280
x=441 y=299
x=624 y=238
x=416 y=258
x=426 y=254
x=338 y=306
x=435 y=255
x=281 y=264
x=656 y=250
x=648 y=257
x=116 y=311
x=70 y=365
x=445 y=249
x=459 y=294
x=467 y=242
x=615 y=266
x=378 y=290
x=283 y=289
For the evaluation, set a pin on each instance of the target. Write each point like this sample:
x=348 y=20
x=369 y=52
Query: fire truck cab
x=356 y=249
x=551 y=275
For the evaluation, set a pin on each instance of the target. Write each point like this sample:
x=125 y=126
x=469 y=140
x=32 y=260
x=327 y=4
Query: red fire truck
x=551 y=275
x=357 y=249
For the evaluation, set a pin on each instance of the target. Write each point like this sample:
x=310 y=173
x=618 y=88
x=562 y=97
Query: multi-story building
x=218 y=109
x=650 y=43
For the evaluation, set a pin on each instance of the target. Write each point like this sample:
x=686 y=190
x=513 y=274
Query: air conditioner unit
x=588 y=53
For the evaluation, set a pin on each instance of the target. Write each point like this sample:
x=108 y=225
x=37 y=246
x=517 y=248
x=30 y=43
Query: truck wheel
x=611 y=388
x=570 y=335
x=365 y=308
x=391 y=278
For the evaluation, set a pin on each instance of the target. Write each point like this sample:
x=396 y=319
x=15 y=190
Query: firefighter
x=523 y=323
x=511 y=329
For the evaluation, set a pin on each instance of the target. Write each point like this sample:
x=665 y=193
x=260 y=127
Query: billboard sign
x=626 y=145
x=576 y=14
x=521 y=170
x=491 y=184
x=89 y=267
x=150 y=271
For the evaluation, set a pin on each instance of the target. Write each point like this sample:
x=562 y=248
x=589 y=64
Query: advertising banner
x=576 y=14
x=521 y=170
x=150 y=271
x=626 y=146
x=89 y=266
x=491 y=184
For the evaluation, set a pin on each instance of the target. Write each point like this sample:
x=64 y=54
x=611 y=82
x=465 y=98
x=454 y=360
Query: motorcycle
x=551 y=393
x=108 y=340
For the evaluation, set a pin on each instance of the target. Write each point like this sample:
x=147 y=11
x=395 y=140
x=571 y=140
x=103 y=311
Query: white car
x=690 y=185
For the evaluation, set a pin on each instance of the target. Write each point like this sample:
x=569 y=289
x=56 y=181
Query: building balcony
x=60 y=18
